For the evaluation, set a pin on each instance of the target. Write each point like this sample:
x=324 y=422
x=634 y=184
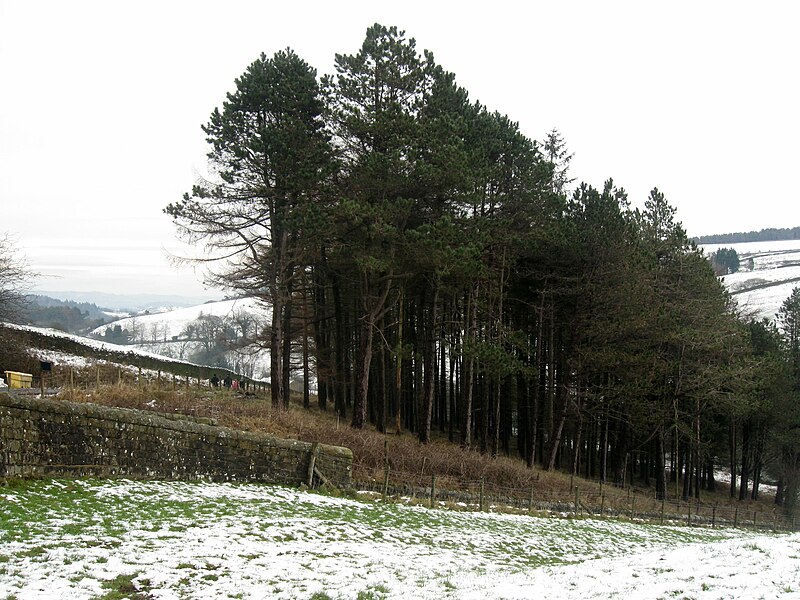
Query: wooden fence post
x=433 y=489
x=633 y=506
x=312 y=461
x=714 y=516
x=481 y=496
x=602 y=505
x=663 y=502
x=530 y=502
x=385 y=490
x=736 y=518
x=577 y=501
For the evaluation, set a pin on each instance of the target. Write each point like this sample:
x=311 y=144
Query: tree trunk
x=469 y=374
x=430 y=372
x=364 y=361
x=745 y=472
x=732 y=456
x=374 y=309
x=661 y=481
x=340 y=370
x=276 y=354
x=556 y=439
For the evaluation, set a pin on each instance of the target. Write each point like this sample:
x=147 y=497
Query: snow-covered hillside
x=164 y=325
x=769 y=272
x=170 y=334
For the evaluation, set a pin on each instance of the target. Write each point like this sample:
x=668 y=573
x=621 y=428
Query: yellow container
x=14 y=379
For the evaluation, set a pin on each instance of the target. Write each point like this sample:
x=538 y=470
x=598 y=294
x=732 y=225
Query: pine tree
x=789 y=321
x=270 y=154
x=375 y=101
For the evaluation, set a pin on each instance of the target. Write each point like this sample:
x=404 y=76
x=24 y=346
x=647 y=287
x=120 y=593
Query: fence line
x=608 y=501
x=611 y=502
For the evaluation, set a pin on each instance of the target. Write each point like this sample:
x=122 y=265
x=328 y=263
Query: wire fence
x=595 y=501
x=591 y=500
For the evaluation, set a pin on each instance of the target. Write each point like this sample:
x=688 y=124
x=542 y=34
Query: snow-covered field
x=82 y=539
x=775 y=272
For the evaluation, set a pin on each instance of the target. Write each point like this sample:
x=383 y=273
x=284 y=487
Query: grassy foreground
x=507 y=480
x=124 y=539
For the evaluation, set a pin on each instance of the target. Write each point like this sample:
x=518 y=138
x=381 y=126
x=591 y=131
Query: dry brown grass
x=407 y=458
x=411 y=464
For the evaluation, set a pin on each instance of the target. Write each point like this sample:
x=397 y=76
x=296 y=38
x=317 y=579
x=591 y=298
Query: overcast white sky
x=101 y=105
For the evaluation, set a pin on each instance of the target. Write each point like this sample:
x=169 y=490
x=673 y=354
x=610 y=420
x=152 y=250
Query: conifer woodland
x=441 y=274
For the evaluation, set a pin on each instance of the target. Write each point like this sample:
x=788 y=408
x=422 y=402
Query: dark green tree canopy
x=438 y=270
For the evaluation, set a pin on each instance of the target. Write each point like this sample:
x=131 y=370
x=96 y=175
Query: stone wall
x=52 y=438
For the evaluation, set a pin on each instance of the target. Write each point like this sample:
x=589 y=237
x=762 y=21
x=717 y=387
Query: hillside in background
x=127 y=303
x=217 y=334
x=768 y=272
x=65 y=315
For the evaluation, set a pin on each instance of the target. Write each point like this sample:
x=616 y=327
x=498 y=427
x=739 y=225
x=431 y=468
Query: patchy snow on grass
x=198 y=540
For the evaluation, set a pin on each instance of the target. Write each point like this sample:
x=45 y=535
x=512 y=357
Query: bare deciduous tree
x=14 y=279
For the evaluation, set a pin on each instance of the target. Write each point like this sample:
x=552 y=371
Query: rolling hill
x=769 y=272
x=217 y=334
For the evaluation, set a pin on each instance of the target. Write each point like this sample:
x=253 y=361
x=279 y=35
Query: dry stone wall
x=52 y=438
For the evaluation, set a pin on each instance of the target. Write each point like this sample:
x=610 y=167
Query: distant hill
x=764 y=235
x=218 y=334
x=25 y=346
x=64 y=315
x=131 y=303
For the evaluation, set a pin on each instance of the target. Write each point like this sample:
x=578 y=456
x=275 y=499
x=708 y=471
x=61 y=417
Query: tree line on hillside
x=764 y=235
x=64 y=315
x=431 y=259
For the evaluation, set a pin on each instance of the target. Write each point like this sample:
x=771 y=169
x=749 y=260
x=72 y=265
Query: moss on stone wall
x=53 y=438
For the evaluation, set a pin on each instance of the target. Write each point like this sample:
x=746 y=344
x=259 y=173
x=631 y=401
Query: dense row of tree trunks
x=427 y=257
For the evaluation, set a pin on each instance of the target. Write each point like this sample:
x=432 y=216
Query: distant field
x=776 y=272
x=115 y=539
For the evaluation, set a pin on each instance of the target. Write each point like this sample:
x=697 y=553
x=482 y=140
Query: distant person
x=214 y=381
x=235 y=385
x=227 y=382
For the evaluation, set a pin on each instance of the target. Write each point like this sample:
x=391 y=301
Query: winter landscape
x=108 y=539
x=93 y=539
x=295 y=304
x=768 y=273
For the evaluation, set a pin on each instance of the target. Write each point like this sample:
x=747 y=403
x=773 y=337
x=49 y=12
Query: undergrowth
x=411 y=464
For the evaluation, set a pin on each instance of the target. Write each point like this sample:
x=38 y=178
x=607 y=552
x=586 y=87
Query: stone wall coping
x=130 y=416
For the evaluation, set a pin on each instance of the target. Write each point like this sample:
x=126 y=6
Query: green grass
x=66 y=522
x=122 y=587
